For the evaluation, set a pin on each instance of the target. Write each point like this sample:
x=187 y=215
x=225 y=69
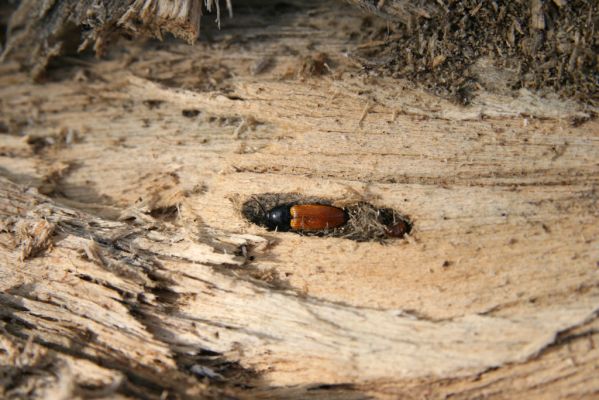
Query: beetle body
x=305 y=217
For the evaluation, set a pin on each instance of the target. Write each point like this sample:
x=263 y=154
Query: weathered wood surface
x=38 y=33
x=121 y=257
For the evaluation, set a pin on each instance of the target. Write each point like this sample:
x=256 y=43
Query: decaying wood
x=401 y=10
x=127 y=269
x=37 y=34
x=453 y=50
x=545 y=46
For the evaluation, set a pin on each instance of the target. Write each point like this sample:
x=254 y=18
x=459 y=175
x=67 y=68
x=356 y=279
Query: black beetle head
x=278 y=218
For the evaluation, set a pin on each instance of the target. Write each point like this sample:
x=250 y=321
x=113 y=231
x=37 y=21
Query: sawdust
x=542 y=46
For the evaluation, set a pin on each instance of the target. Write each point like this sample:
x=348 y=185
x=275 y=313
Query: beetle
x=304 y=217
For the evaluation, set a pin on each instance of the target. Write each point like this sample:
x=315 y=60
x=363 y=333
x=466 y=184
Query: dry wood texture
x=127 y=269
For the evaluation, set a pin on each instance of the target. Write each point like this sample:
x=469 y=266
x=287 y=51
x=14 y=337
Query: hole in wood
x=295 y=213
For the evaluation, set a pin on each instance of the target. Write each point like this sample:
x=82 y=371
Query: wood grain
x=127 y=268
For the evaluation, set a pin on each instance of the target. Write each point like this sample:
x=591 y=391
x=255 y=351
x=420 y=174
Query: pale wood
x=494 y=294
